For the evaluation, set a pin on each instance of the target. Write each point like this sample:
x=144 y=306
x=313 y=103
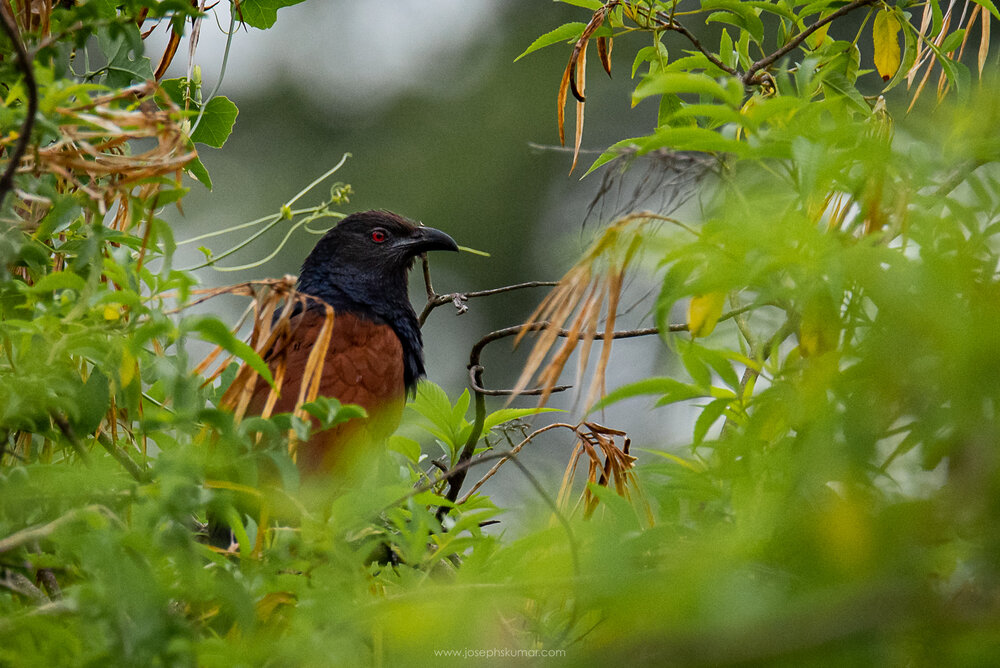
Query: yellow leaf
x=816 y=39
x=704 y=312
x=111 y=312
x=819 y=330
x=885 y=35
x=126 y=371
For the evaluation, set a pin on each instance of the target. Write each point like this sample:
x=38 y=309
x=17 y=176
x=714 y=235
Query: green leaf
x=680 y=139
x=953 y=41
x=196 y=169
x=690 y=82
x=216 y=122
x=780 y=9
x=623 y=514
x=653 y=55
x=441 y=419
x=214 y=331
x=409 y=448
x=909 y=53
x=263 y=13
x=989 y=6
x=92 y=403
x=586 y=4
x=726 y=53
x=708 y=416
x=695 y=365
x=177 y=90
x=836 y=84
x=122 y=46
x=738 y=14
x=937 y=19
x=669 y=389
x=330 y=412
x=57 y=280
x=564 y=33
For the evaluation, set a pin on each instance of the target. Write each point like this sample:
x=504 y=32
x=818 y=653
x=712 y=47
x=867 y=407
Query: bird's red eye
x=379 y=235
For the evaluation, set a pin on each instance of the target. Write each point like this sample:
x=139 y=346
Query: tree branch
x=750 y=78
x=24 y=61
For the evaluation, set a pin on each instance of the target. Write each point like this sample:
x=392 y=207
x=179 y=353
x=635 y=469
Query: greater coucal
x=375 y=356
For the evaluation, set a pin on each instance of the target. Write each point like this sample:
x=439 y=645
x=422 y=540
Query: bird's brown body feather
x=363 y=366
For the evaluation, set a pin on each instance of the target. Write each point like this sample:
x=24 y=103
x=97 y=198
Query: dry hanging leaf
x=604 y=46
x=573 y=80
x=984 y=39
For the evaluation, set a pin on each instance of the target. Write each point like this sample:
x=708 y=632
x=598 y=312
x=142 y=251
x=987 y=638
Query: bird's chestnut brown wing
x=363 y=365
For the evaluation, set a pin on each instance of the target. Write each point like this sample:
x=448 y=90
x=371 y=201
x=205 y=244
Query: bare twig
x=510 y=454
x=475 y=371
x=435 y=300
x=476 y=378
x=24 y=61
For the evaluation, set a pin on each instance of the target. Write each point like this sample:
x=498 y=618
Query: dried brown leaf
x=168 y=55
x=604 y=46
x=561 y=102
x=581 y=66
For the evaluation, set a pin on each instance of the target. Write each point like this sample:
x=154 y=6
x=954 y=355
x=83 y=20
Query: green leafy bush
x=836 y=502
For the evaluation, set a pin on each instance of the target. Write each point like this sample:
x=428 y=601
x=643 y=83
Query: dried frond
x=592 y=287
x=93 y=154
x=608 y=465
x=274 y=302
x=925 y=59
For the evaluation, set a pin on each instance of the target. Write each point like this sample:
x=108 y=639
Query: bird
x=374 y=358
x=375 y=355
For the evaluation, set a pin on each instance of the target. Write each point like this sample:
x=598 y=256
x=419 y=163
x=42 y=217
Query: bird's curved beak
x=428 y=239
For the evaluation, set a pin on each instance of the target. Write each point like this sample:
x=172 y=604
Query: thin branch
x=67 y=431
x=475 y=371
x=445 y=475
x=750 y=78
x=24 y=61
x=19 y=584
x=511 y=454
x=462 y=469
x=435 y=300
x=670 y=23
x=123 y=458
x=33 y=534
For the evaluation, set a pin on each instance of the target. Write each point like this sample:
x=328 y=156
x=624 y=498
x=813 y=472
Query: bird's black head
x=361 y=266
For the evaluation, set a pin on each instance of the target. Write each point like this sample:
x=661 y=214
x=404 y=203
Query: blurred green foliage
x=838 y=503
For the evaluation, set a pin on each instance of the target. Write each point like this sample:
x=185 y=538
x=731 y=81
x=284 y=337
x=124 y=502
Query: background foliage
x=831 y=303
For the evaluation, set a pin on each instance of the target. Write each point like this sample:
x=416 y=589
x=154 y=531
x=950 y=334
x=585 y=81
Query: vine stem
x=222 y=70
